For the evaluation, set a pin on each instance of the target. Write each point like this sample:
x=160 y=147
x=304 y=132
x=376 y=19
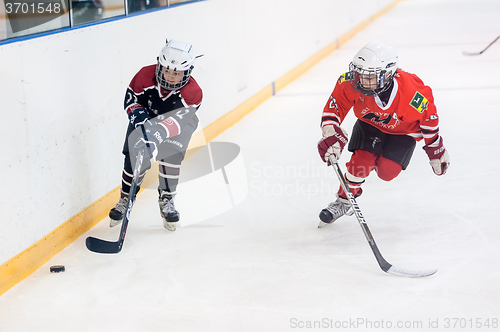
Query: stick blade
x=471 y=53
x=478 y=53
x=103 y=246
x=410 y=273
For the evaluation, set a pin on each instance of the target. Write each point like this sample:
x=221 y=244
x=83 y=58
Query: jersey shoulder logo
x=345 y=77
x=419 y=102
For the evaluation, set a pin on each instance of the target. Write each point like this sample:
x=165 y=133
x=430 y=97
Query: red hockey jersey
x=409 y=111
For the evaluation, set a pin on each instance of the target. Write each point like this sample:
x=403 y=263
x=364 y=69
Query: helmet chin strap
x=382 y=79
x=385 y=94
x=388 y=86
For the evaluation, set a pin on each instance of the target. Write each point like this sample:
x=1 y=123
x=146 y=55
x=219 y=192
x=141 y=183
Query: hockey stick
x=107 y=247
x=478 y=53
x=384 y=265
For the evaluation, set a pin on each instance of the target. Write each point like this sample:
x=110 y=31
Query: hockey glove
x=438 y=156
x=138 y=117
x=333 y=142
x=152 y=136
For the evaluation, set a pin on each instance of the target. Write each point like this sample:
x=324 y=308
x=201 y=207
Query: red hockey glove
x=333 y=142
x=438 y=156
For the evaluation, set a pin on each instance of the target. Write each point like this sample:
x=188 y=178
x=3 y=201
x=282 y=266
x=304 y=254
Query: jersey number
x=180 y=113
x=131 y=98
x=333 y=104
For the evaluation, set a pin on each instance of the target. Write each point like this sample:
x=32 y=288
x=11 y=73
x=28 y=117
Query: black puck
x=57 y=268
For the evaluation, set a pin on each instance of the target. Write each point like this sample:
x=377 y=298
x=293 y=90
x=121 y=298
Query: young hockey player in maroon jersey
x=161 y=101
x=394 y=110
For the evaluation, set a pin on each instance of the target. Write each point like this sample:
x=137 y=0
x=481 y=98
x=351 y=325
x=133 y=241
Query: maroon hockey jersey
x=172 y=108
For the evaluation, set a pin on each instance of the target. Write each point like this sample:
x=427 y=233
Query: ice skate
x=334 y=211
x=167 y=210
x=118 y=212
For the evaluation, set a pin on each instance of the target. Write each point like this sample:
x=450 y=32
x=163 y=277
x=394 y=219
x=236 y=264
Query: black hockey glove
x=152 y=136
x=138 y=117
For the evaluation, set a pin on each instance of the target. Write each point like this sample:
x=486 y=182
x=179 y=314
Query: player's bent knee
x=387 y=169
x=361 y=164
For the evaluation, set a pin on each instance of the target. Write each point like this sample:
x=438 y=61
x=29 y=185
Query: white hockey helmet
x=375 y=63
x=176 y=56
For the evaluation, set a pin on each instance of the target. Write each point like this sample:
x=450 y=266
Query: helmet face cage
x=165 y=82
x=176 y=61
x=372 y=81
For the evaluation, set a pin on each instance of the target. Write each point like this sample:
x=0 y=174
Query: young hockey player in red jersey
x=394 y=110
x=161 y=101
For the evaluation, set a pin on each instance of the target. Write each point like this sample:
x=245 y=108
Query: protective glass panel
x=26 y=17
x=173 y=2
x=138 y=5
x=86 y=11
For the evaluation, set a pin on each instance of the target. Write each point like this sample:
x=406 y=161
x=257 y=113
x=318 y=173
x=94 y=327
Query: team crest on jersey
x=345 y=77
x=419 y=102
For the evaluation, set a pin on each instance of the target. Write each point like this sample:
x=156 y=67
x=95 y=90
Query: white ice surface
x=263 y=265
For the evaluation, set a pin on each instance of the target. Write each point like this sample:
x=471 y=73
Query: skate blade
x=170 y=226
x=113 y=223
x=323 y=224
